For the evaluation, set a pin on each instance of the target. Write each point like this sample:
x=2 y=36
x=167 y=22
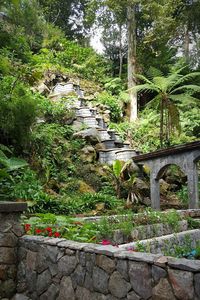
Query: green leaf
x=117 y=167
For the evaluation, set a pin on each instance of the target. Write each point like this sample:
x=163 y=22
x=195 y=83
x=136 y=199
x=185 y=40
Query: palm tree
x=168 y=92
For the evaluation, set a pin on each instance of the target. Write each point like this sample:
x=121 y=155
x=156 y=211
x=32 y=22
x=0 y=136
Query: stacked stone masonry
x=65 y=270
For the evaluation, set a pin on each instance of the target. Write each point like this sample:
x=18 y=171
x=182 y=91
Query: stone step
x=101 y=123
x=103 y=133
x=83 y=112
x=108 y=144
x=88 y=121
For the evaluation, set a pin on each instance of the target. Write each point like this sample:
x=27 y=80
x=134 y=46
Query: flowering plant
x=47 y=231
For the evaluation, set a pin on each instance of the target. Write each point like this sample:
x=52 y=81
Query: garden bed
x=150 y=231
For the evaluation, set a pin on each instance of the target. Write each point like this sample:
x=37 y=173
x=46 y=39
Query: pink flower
x=105 y=242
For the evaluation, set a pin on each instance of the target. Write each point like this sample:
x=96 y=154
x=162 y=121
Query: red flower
x=49 y=229
x=56 y=234
x=50 y=233
x=27 y=227
x=105 y=242
x=38 y=231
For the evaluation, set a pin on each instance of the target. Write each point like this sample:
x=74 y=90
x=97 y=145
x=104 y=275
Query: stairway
x=113 y=147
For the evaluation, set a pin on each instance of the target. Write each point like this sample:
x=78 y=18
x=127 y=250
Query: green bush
x=113 y=103
x=56 y=112
x=18 y=112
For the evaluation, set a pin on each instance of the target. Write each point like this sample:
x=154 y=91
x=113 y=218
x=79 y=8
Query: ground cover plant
x=96 y=231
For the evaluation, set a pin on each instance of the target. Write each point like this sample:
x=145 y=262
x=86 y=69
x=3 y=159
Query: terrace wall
x=34 y=267
x=65 y=270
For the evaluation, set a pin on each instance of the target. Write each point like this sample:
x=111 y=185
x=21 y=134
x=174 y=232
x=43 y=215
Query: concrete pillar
x=155 y=192
x=192 y=182
x=10 y=232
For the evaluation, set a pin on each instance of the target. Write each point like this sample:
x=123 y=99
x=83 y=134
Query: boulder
x=88 y=154
x=91 y=135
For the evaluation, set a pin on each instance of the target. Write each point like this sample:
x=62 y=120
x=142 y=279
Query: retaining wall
x=33 y=268
x=65 y=270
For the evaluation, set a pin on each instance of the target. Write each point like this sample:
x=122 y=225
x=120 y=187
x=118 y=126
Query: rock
x=43 y=89
x=118 y=286
x=51 y=293
x=67 y=264
x=88 y=283
x=78 y=276
x=91 y=135
x=8 y=240
x=122 y=268
x=43 y=281
x=31 y=260
x=163 y=291
x=100 y=146
x=197 y=285
x=133 y=296
x=100 y=280
x=66 y=289
x=164 y=187
x=158 y=273
x=140 y=279
x=82 y=293
x=88 y=154
x=7 y=288
x=7 y=255
x=182 y=283
x=143 y=187
x=85 y=188
x=106 y=263
x=20 y=297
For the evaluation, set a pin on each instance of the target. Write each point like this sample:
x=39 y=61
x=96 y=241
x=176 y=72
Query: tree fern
x=170 y=90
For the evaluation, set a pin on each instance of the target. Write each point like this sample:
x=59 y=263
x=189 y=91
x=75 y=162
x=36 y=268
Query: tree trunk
x=131 y=24
x=120 y=52
x=186 y=43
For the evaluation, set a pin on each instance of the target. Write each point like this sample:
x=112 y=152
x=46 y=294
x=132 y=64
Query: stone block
x=67 y=264
x=117 y=286
x=158 y=273
x=122 y=268
x=83 y=293
x=66 y=289
x=43 y=282
x=197 y=285
x=163 y=291
x=140 y=279
x=106 y=263
x=182 y=283
x=100 y=280
x=8 y=255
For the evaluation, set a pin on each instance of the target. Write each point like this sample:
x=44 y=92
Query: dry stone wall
x=10 y=231
x=65 y=270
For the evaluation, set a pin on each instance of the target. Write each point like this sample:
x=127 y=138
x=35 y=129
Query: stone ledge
x=9 y=207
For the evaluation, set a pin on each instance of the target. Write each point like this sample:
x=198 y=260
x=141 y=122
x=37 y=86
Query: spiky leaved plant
x=169 y=91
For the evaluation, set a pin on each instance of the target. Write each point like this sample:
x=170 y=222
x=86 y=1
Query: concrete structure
x=185 y=156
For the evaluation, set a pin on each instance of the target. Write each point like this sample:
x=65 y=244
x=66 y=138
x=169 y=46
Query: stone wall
x=65 y=270
x=10 y=231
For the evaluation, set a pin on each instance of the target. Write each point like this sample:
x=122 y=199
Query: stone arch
x=164 y=168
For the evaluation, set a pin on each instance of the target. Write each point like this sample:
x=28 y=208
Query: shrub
x=113 y=104
x=18 y=111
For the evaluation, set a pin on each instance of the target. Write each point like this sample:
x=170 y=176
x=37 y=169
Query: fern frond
x=186 y=78
x=154 y=72
x=184 y=99
x=192 y=88
x=143 y=78
x=145 y=88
